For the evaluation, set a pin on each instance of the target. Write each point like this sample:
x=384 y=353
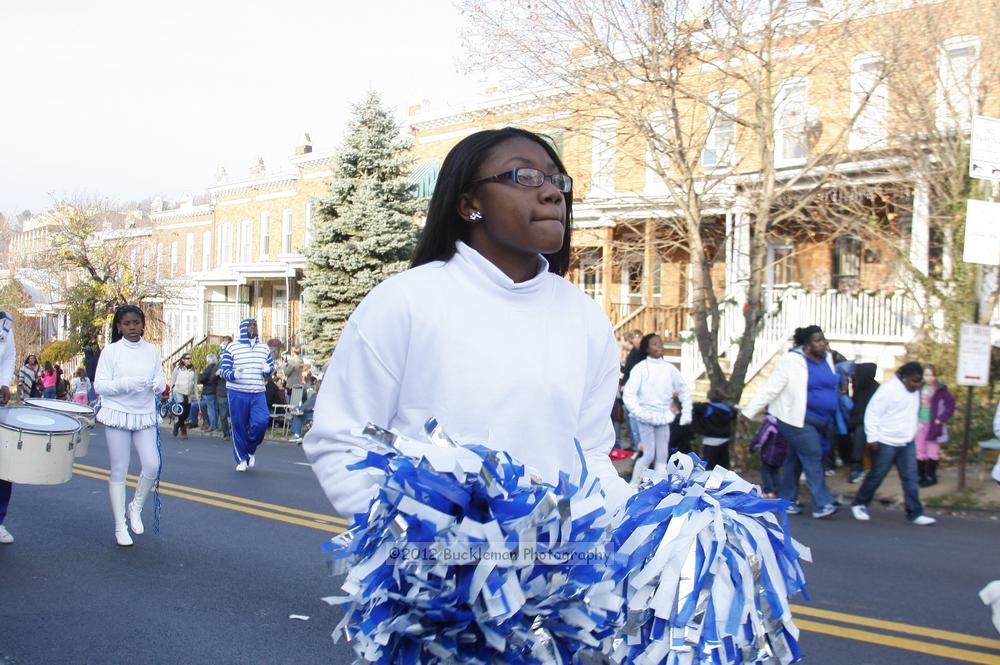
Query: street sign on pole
x=984 y=153
x=982 y=233
x=974 y=355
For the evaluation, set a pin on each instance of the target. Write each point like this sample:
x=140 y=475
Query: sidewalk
x=981 y=492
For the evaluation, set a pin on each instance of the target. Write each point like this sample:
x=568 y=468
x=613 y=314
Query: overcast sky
x=131 y=98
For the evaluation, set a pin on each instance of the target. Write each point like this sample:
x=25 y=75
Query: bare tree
x=100 y=256
x=709 y=98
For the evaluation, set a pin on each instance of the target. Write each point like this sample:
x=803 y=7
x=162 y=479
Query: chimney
x=306 y=146
x=258 y=169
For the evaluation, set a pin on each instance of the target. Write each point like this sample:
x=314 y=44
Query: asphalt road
x=238 y=554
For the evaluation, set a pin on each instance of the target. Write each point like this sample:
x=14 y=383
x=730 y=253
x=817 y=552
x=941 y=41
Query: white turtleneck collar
x=131 y=345
x=480 y=265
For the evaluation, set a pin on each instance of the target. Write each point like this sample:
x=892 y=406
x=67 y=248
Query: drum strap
x=159 y=470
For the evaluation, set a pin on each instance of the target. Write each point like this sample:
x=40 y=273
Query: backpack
x=769 y=443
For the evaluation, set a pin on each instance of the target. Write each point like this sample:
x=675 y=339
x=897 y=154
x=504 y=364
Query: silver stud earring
x=476 y=216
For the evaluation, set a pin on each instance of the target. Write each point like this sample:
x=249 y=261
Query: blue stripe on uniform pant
x=248 y=416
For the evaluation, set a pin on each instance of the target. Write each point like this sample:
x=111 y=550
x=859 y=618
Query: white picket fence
x=867 y=317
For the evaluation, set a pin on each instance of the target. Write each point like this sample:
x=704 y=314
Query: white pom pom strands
x=708 y=571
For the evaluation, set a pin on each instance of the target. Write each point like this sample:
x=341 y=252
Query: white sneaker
x=860 y=513
x=253 y=462
x=923 y=520
x=5 y=537
x=241 y=467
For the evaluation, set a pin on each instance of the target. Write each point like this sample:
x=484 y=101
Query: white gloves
x=138 y=384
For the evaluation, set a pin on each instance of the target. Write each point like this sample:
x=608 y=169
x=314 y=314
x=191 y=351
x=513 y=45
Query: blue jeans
x=905 y=459
x=298 y=421
x=805 y=452
x=49 y=393
x=209 y=402
x=633 y=431
x=770 y=478
x=5 y=489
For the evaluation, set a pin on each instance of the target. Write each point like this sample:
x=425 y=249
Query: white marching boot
x=142 y=490
x=117 y=493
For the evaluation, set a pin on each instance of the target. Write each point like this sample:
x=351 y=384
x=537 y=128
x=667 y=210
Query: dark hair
x=803 y=335
x=912 y=369
x=644 y=345
x=444 y=226
x=715 y=395
x=48 y=366
x=29 y=357
x=119 y=313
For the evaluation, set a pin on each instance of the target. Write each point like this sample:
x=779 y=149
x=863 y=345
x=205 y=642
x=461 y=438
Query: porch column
x=737 y=253
x=607 y=266
x=648 y=262
x=919 y=225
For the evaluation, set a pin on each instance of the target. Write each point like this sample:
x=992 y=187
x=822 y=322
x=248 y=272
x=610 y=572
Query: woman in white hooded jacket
x=648 y=396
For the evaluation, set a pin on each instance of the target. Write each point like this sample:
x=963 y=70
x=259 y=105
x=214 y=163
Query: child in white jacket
x=648 y=395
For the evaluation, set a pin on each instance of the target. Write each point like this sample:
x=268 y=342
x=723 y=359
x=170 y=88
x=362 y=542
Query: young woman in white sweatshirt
x=128 y=379
x=486 y=274
x=648 y=396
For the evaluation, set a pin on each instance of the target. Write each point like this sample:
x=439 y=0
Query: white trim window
x=870 y=128
x=958 y=83
x=246 y=241
x=174 y=250
x=265 y=234
x=206 y=251
x=286 y=231
x=657 y=151
x=720 y=144
x=309 y=221
x=189 y=253
x=602 y=171
x=790 y=122
x=590 y=276
x=226 y=244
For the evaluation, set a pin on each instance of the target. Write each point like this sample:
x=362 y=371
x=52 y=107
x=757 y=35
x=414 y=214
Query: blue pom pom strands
x=465 y=555
x=707 y=569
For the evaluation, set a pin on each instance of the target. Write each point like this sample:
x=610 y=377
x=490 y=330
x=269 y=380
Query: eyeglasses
x=528 y=177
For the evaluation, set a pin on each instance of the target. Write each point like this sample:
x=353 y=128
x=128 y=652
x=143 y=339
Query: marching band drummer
x=128 y=379
x=7 y=362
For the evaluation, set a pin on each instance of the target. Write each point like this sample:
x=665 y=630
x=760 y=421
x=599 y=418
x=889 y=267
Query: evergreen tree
x=364 y=232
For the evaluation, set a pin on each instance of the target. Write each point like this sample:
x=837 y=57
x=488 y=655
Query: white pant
x=655 y=449
x=120 y=447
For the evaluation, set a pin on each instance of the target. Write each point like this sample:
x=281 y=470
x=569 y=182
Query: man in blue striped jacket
x=246 y=364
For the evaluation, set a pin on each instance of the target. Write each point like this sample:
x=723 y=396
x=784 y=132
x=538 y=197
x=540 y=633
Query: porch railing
x=864 y=317
x=667 y=321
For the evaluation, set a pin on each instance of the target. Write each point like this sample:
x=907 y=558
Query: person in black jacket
x=209 y=381
x=864 y=386
x=714 y=421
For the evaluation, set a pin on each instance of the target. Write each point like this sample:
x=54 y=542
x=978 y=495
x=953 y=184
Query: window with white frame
x=225 y=243
x=246 y=241
x=189 y=253
x=958 y=83
x=869 y=103
x=265 y=234
x=206 y=251
x=657 y=153
x=790 y=123
x=782 y=269
x=174 y=247
x=286 y=231
x=720 y=144
x=602 y=170
x=309 y=221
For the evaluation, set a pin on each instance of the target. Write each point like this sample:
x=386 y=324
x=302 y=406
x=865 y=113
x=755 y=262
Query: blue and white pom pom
x=466 y=556
x=707 y=568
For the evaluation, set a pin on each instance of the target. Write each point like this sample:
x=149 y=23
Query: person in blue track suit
x=246 y=365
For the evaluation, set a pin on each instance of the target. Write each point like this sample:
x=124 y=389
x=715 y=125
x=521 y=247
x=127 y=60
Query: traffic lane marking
x=904 y=643
x=228 y=497
x=319 y=525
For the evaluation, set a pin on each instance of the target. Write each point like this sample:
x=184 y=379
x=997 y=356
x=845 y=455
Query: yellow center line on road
x=289 y=519
x=920 y=631
x=227 y=497
x=963 y=655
